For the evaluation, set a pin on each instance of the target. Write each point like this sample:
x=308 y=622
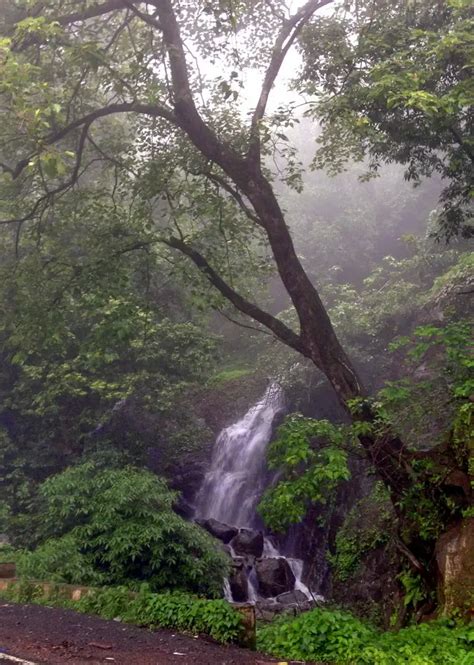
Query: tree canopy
x=393 y=82
x=131 y=137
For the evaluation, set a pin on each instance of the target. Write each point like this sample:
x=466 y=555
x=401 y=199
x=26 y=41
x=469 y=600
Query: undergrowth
x=337 y=637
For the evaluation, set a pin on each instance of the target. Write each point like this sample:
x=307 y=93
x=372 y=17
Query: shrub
x=169 y=610
x=366 y=527
x=337 y=637
x=8 y=553
x=316 y=635
x=117 y=526
x=59 y=560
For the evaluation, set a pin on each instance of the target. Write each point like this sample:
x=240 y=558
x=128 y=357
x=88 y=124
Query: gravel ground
x=51 y=636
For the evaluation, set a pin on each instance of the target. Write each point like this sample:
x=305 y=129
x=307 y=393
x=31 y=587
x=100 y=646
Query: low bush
x=168 y=610
x=117 y=527
x=8 y=553
x=338 y=637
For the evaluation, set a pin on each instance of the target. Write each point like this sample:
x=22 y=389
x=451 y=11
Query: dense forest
x=236 y=318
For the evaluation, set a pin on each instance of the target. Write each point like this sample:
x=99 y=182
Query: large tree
x=176 y=71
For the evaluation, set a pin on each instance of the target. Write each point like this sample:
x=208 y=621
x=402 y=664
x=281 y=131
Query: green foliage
x=310 y=457
x=8 y=553
x=86 y=328
x=171 y=610
x=117 y=526
x=59 y=560
x=176 y=610
x=393 y=83
x=231 y=374
x=366 y=527
x=337 y=637
x=440 y=392
x=413 y=587
x=368 y=317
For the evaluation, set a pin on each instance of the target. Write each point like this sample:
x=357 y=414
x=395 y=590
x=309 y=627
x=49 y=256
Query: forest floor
x=50 y=636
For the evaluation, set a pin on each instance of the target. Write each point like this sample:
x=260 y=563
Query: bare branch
x=290 y=31
x=243 y=325
x=109 y=158
x=235 y=195
x=93 y=11
x=147 y=18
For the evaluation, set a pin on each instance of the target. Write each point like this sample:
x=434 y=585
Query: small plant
x=338 y=637
x=414 y=588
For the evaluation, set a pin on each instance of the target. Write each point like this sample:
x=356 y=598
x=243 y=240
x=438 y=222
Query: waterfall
x=234 y=484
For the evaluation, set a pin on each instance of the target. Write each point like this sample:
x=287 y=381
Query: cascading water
x=236 y=480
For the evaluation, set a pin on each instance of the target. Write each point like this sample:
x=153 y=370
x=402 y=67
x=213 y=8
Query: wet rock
x=274 y=576
x=238 y=582
x=248 y=542
x=292 y=597
x=184 y=509
x=219 y=530
x=267 y=615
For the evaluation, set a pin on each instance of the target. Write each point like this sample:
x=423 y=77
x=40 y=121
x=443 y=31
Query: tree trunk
x=320 y=343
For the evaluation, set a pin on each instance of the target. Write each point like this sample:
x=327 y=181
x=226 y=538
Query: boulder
x=238 y=582
x=219 y=530
x=295 y=597
x=274 y=576
x=248 y=542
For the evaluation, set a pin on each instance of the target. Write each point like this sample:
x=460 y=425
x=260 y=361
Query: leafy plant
x=170 y=610
x=310 y=457
x=333 y=636
x=117 y=526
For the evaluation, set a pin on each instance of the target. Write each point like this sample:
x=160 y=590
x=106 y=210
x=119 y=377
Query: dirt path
x=53 y=636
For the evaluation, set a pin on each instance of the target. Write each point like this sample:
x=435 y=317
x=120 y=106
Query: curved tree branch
x=285 y=40
x=277 y=327
x=50 y=194
x=147 y=18
x=152 y=110
x=236 y=195
x=93 y=11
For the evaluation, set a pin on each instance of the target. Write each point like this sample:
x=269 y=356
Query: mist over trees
x=149 y=180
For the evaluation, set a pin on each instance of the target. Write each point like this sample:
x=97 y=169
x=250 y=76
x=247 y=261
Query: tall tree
x=164 y=85
x=70 y=68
